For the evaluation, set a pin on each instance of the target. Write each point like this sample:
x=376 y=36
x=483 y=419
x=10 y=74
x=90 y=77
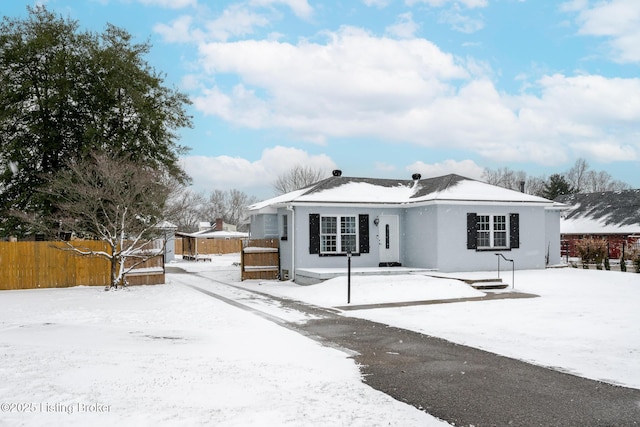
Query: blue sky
x=385 y=88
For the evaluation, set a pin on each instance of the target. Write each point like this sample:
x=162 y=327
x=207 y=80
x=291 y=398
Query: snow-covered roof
x=216 y=234
x=339 y=189
x=609 y=212
x=166 y=225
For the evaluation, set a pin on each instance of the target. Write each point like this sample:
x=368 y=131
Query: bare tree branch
x=299 y=176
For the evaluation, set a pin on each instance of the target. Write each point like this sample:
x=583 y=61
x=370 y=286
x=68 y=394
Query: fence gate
x=260 y=259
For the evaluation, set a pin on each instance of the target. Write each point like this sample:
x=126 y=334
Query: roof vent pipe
x=416 y=176
x=522 y=186
x=337 y=172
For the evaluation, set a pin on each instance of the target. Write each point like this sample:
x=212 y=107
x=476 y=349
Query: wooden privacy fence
x=260 y=259
x=30 y=265
x=194 y=248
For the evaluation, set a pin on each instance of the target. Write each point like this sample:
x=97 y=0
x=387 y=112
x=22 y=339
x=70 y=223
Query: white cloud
x=300 y=8
x=253 y=177
x=467 y=168
x=348 y=87
x=334 y=89
x=618 y=20
x=178 y=31
x=404 y=28
x=441 y=3
x=170 y=4
x=607 y=151
x=236 y=20
x=461 y=21
x=377 y=3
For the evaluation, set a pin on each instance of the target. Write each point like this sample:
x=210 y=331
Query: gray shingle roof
x=619 y=208
x=427 y=185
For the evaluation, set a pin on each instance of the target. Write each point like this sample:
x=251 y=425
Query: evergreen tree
x=556 y=186
x=64 y=94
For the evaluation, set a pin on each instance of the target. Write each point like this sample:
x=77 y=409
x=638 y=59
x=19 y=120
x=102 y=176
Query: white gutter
x=293 y=243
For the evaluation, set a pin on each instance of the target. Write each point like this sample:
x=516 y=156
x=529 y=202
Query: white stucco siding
x=430 y=236
x=453 y=254
x=420 y=240
x=285 y=244
x=305 y=259
x=552 y=236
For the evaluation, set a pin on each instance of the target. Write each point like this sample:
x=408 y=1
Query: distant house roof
x=347 y=190
x=609 y=212
x=166 y=225
x=208 y=234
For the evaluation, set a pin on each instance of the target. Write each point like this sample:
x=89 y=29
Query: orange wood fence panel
x=260 y=259
x=192 y=247
x=31 y=265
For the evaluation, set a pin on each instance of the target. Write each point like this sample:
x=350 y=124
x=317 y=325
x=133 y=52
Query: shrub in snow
x=634 y=256
x=592 y=251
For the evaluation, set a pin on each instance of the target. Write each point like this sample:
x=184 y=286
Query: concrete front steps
x=480 y=284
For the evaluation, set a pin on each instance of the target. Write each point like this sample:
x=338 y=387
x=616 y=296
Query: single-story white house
x=449 y=223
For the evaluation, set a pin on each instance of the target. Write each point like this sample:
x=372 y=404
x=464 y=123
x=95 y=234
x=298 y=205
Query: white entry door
x=388 y=239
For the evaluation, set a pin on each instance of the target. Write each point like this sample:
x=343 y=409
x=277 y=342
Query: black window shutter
x=364 y=233
x=514 y=230
x=314 y=233
x=472 y=231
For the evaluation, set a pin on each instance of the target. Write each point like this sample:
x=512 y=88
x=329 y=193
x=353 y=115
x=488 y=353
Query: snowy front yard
x=167 y=354
x=585 y=322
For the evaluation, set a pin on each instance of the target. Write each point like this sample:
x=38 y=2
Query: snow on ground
x=373 y=290
x=169 y=355
x=585 y=322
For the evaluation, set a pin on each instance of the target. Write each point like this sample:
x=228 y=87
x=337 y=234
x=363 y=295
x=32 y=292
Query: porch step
x=491 y=283
x=487 y=284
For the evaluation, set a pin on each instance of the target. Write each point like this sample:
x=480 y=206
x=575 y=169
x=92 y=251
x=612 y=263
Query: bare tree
x=584 y=180
x=237 y=203
x=505 y=178
x=217 y=205
x=596 y=182
x=229 y=205
x=186 y=208
x=298 y=177
x=114 y=200
x=535 y=185
x=577 y=175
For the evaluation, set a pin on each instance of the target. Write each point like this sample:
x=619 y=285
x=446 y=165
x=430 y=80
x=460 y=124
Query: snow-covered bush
x=592 y=251
x=633 y=254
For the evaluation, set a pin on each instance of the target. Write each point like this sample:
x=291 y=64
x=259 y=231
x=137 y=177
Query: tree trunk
x=114 y=270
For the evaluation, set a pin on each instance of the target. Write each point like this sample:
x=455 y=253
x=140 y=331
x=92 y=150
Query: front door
x=389 y=240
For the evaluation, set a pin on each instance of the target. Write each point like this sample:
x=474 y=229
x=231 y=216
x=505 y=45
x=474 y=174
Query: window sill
x=342 y=254
x=493 y=249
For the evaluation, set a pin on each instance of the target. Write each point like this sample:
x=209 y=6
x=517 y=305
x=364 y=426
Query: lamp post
x=349 y=277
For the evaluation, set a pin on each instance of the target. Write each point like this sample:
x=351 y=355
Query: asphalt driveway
x=462 y=385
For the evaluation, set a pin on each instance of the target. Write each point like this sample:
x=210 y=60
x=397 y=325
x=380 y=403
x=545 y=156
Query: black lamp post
x=349 y=277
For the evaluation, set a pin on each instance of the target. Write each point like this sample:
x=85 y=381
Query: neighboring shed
x=611 y=215
x=218 y=238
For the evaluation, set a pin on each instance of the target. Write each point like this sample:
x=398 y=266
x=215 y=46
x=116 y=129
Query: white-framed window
x=492 y=231
x=338 y=234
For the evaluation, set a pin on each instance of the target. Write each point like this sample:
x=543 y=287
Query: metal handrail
x=513 y=269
